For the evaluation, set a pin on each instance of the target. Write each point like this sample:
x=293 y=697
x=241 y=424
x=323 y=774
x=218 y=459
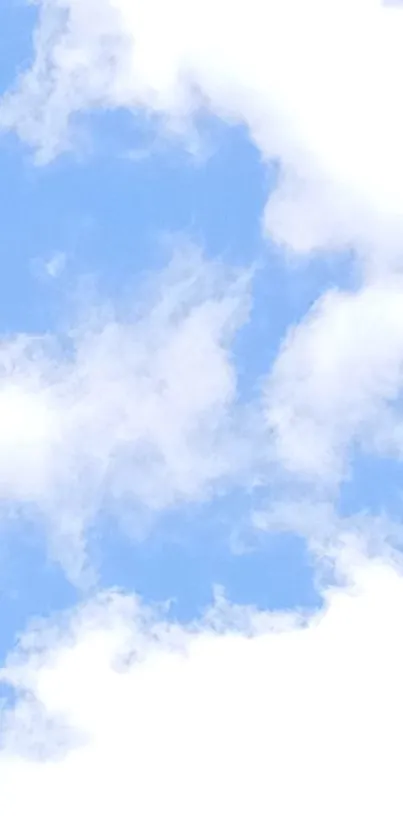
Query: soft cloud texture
x=249 y=725
x=317 y=82
x=337 y=383
x=245 y=724
x=128 y=412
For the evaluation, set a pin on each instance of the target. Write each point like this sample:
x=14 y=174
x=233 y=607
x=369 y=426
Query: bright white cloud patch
x=135 y=728
x=140 y=411
x=318 y=84
x=316 y=81
x=338 y=381
x=248 y=724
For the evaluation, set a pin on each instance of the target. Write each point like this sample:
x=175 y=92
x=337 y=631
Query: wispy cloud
x=138 y=412
x=337 y=383
x=134 y=411
x=246 y=723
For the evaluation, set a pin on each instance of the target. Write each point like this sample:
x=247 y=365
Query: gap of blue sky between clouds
x=201 y=425
x=307 y=443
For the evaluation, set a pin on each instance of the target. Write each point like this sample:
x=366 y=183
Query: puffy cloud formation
x=337 y=382
x=135 y=411
x=246 y=725
x=317 y=82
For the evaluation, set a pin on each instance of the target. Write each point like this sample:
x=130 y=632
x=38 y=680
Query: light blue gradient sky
x=102 y=216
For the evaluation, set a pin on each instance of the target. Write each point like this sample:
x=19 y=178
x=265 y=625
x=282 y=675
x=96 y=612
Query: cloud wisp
x=246 y=723
x=135 y=412
x=337 y=383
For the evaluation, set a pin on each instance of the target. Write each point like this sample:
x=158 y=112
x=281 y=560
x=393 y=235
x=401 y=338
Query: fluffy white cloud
x=337 y=382
x=317 y=84
x=316 y=81
x=249 y=725
x=133 y=411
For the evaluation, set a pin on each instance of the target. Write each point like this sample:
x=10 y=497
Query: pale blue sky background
x=107 y=212
x=201 y=419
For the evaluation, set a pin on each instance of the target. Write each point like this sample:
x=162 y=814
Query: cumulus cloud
x=248 y=724
x=337 y=383
x=317 y=83
x=127 y=411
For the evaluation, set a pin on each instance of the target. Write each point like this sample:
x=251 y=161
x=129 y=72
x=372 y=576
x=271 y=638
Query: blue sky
x=108 y=216
x=201 y=371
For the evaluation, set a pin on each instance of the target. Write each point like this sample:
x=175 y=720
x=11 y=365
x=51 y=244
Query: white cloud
x=136 y=411
x=55 y=265
x=316 y=81
x=337 y=382
x=128 y=726
x=302 y=75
